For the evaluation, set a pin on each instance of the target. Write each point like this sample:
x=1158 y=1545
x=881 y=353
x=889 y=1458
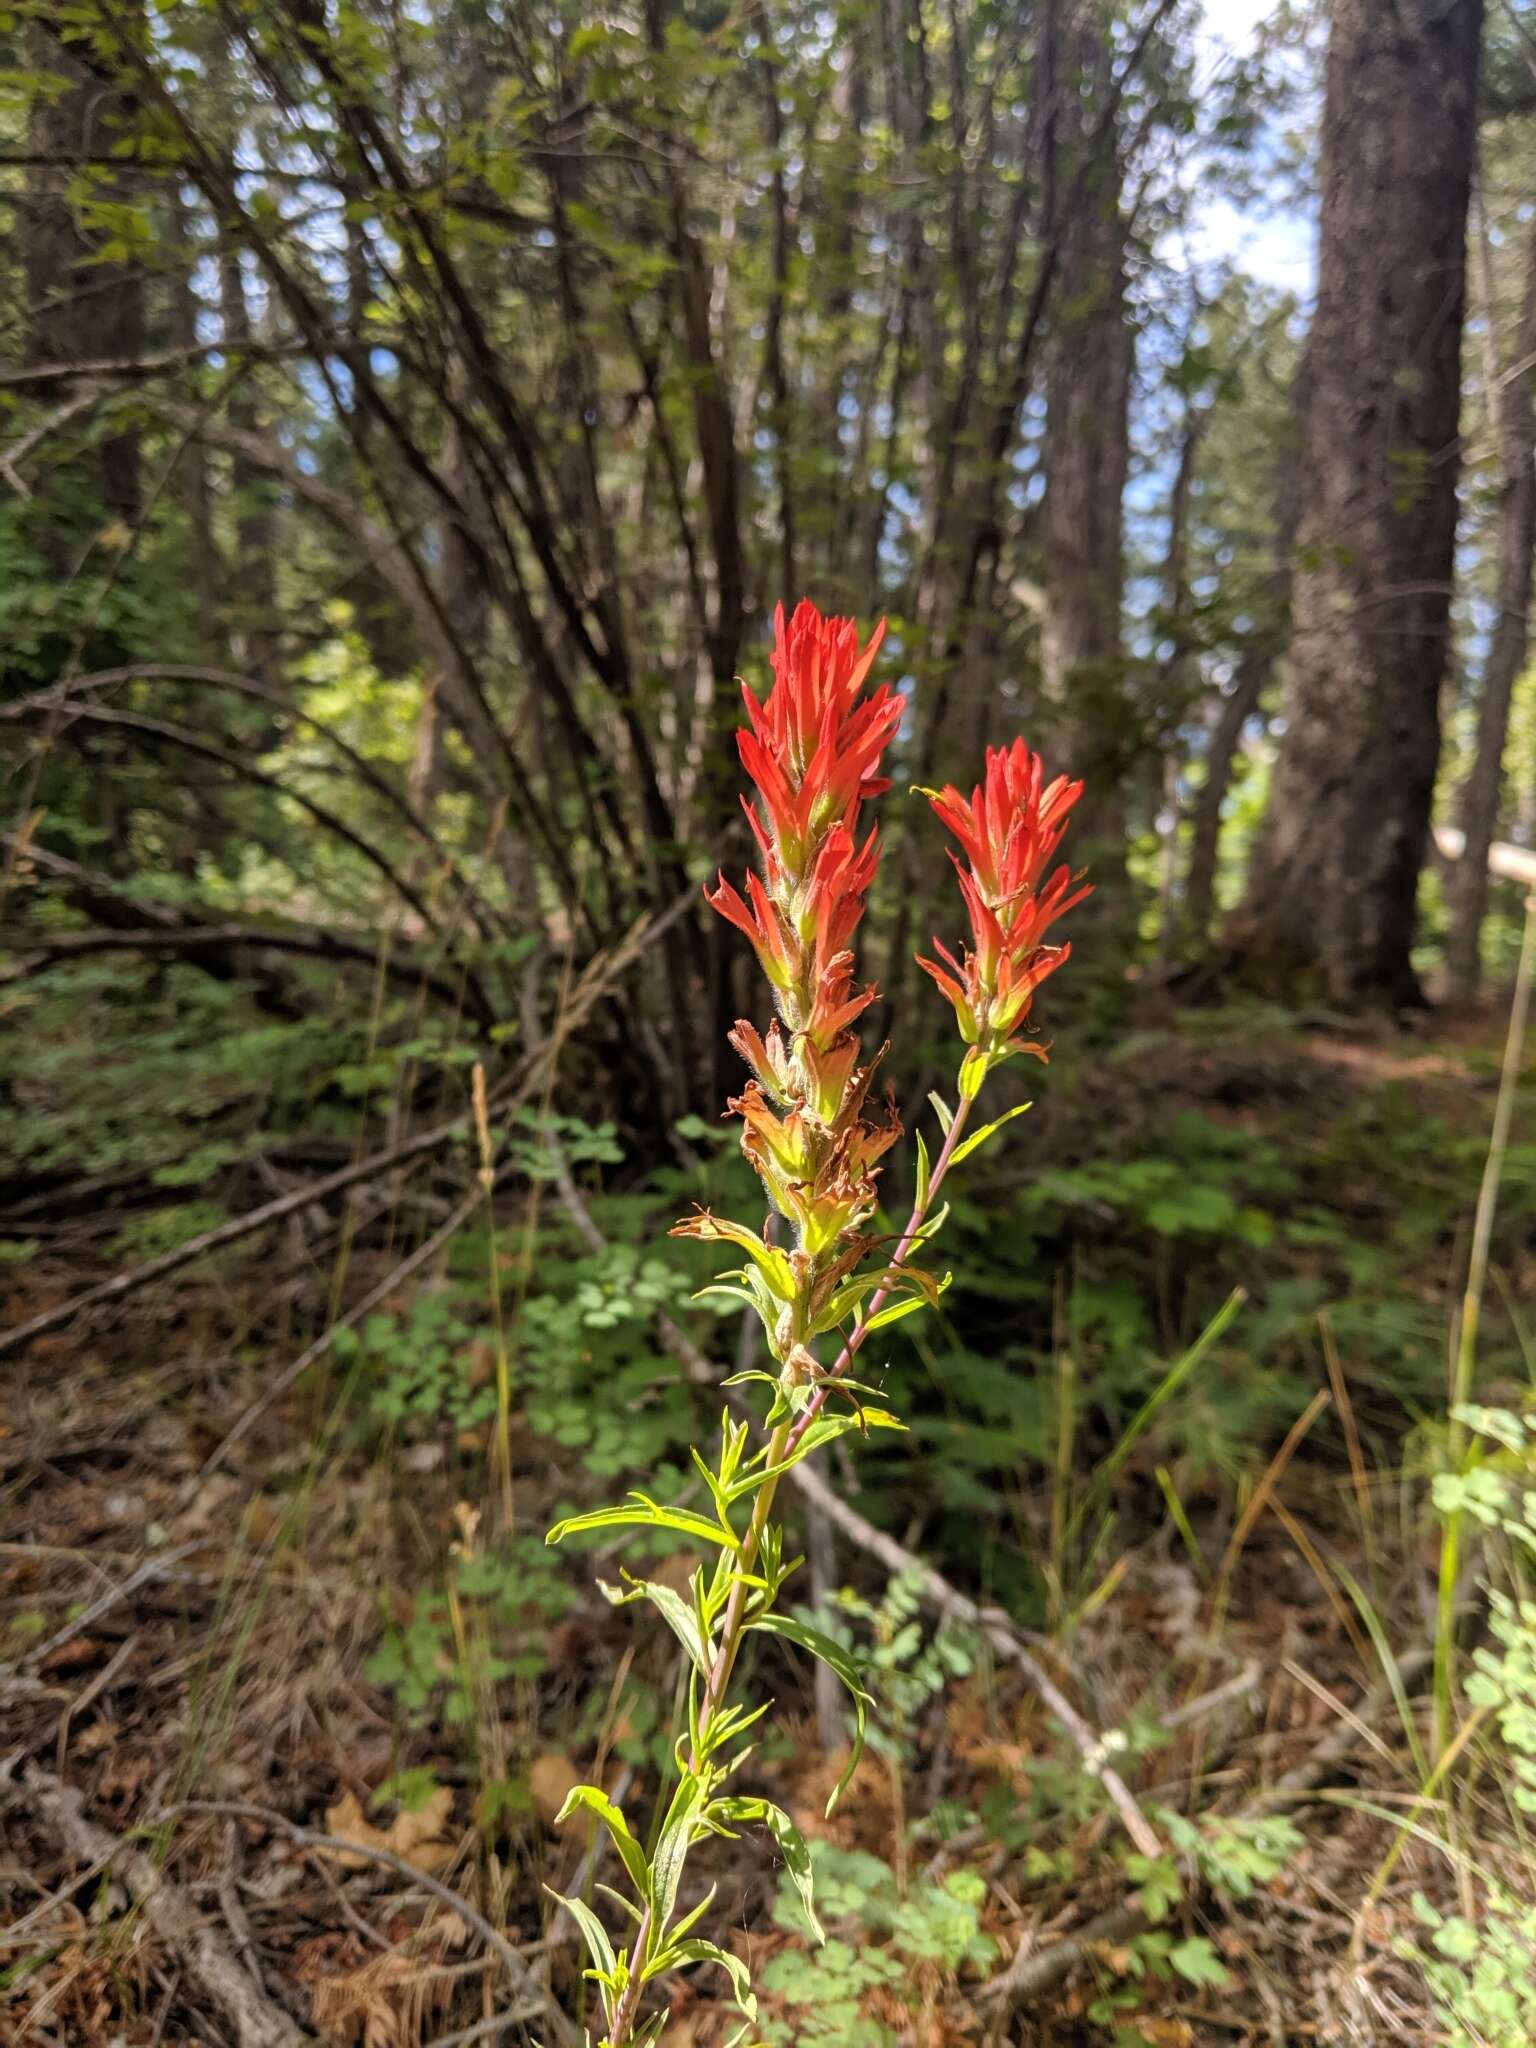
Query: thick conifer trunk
x=1331 y=897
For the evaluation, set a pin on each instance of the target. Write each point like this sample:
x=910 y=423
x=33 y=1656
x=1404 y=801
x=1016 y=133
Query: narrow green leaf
x=592 y=1799
x=679 y=1954
x=605 y=1964
x=674 y=1611
x=898 y=1309
x=692 y=1919
x=837 y=1659
x=769 y=1261
x=979 y=1138
x=642 y=1513
x=672 y=1846
x=792 y=1847
x=822 y=1431
x=942 y=1111
x=924 y=1172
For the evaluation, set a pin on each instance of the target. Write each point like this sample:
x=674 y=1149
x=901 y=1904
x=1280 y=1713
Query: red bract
x=813 y=750
x=813 y=747
x=1010 y=830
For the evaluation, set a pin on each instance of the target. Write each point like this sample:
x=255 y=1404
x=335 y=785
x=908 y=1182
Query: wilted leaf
x=418 y=1836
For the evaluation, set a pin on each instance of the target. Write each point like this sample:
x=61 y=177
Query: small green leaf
x=898 y=1309
x=924 y=1174
x=645 y=1513
x=1197 y=1962
x=837 y=1659
x=942 y=1111
x=681 y=1953
x=979 y=1138
x=822 y=1431
x=592 y=1799
x=605 y=1964
x=672 y=1846
x=674 y=1611
x=792 y=1847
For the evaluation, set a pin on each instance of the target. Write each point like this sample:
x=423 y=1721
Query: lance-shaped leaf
x=672 y=1846
x=680 y=1953
x=606 y=1969
x=837 y=1659
x=924 y=1173
x=823 y=1431
x=592 y=1799
x=979 y=1138
x=792 y=1846
x=908 y=1278
x=897 y=1309
x=640 y=1511
x=771 y=1263
x=675 y=1611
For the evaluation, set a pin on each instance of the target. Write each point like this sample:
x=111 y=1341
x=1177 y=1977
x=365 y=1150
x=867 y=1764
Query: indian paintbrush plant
x=812 y=749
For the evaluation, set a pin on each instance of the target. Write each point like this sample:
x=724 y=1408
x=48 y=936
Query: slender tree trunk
x=1086 y=460
x=207 y=568
x=1331 y=897
x=1482 y=791
x=255 y=542
x=1256 y=667
x=775 y=376
x=1176 y=629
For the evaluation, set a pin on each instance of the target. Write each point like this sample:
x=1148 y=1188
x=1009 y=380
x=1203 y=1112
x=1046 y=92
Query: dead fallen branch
x=1043 y=1968
x=592 y=985
x=524 y=1984
x=200 y=1948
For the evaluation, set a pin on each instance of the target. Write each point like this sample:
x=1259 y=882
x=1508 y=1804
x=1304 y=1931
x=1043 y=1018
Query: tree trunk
x=1478 y=805
x=255 y=540
x=203 y=551
x=1086 y=459
x=1256 y=666
x=1332 y=891
x=82 y=309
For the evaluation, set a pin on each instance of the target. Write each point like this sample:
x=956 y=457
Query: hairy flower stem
x=915 y=1222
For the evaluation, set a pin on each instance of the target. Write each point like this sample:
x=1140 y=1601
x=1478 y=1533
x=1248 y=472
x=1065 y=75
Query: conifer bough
x=812 y=749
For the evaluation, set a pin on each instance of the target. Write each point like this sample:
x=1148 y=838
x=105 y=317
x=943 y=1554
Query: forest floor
x=253 y=1789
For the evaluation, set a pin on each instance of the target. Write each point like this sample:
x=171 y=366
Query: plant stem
x=781 y=1445
x=1471 y=1311
x=714 y=1694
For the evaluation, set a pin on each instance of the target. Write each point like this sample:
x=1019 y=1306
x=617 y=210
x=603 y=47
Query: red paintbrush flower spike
x=1009 y=831
x=812 y=748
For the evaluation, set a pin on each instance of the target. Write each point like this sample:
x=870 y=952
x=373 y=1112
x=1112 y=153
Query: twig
x=1094 y=1749
x=152 y=1568
x=1236 y=1688
x=487 y=2030
x=521 y=1977
x=593 y=984
x=258 y=2023
x=1046 y=1967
